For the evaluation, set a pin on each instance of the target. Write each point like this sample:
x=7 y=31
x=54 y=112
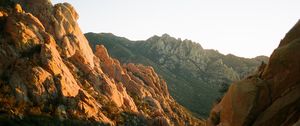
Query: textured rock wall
x=269 y=97
x=47 y=68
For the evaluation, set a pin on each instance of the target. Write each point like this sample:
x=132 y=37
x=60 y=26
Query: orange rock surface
x=47 y=68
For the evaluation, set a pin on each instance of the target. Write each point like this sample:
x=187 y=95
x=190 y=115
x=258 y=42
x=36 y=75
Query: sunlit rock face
x=269 y=97
x=48 y=71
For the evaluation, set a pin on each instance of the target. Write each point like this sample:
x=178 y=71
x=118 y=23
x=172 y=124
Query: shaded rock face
x=48 y=71
x=269 y=97
x=190 y=71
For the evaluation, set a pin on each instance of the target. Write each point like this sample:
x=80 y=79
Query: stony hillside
x=271 y=96
x=50 y=75
x=196 y=77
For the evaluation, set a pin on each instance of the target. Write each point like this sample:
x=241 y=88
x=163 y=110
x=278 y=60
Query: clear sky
x=245 y=28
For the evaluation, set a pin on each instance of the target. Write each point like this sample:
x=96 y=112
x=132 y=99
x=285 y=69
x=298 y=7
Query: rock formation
x=48 y=73
x=190 y=71
x=269 y=97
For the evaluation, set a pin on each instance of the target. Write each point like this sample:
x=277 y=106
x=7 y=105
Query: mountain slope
x=49 y=74
x=196 y=77
x=271 y=96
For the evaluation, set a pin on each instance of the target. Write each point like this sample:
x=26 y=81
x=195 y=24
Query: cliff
x=49 y=74
x=271 y=96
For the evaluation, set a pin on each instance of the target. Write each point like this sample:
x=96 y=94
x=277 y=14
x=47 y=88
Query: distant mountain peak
x=173 y=42
x=165 y=35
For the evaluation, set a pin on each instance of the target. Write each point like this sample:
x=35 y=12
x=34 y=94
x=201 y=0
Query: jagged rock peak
x=168 y=44
x=171 y=40
x=165 y=35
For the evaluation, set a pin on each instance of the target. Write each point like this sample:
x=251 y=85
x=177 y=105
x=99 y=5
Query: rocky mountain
x=271 y=96
x=50 y=75
x=196 y=77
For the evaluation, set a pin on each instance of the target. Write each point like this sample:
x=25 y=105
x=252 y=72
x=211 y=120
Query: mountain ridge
x=157 y=36
x=182 y=63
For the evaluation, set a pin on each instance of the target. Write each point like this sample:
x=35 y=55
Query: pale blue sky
x=243 y=28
